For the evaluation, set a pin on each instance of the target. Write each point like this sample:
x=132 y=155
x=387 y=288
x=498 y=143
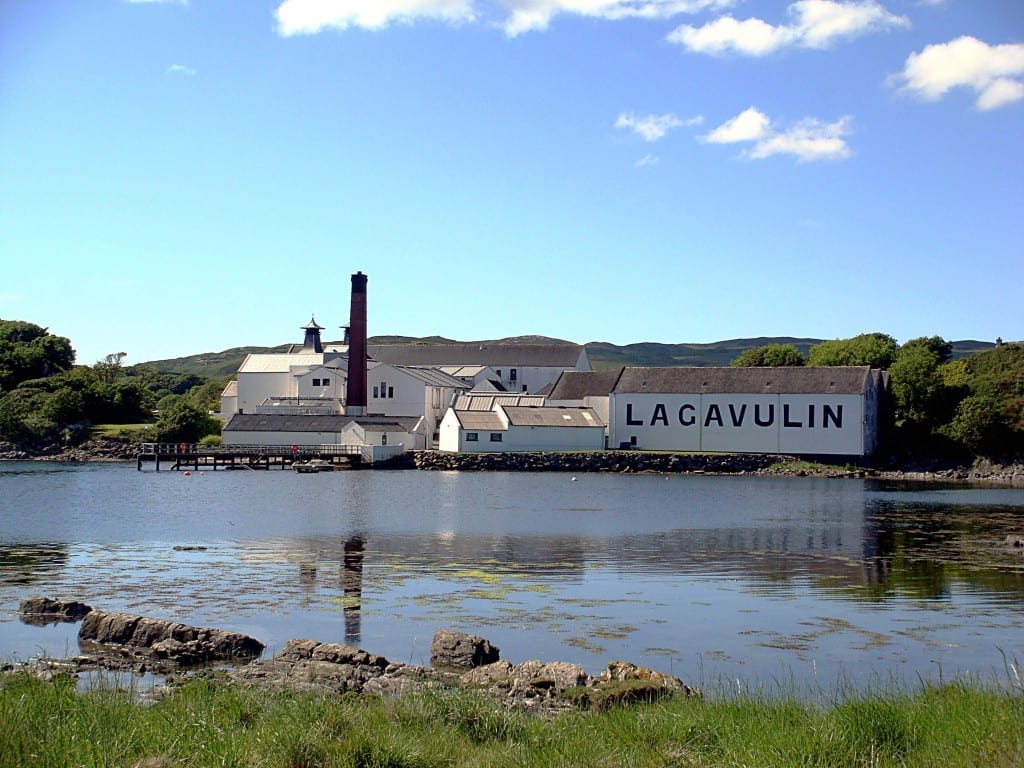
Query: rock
x=1014 y=540
x=43 y=610
x=167 y=640
x=461 y=651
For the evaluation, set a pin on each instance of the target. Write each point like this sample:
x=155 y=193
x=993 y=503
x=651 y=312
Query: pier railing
x=189 y=449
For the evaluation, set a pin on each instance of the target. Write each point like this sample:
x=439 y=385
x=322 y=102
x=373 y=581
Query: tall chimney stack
x=355 y=401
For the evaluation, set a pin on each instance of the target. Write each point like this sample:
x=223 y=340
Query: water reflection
x=745 y=575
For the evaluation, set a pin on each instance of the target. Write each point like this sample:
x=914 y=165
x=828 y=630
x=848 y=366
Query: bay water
x=799 y=584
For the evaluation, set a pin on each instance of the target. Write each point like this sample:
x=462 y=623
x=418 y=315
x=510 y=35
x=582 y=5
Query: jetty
x=197 y=456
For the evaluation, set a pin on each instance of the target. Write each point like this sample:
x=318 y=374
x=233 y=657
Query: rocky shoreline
x=458 y=661
x=626 y=462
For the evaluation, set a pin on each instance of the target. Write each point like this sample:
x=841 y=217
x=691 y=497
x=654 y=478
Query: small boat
x=313 y=465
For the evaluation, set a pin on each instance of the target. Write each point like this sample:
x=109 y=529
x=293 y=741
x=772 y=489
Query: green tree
x=979 y=426
x=185 y=422
x=770 y=356
x=29 y=351
x=943 y=349
x=917 y=385
x=875 y=349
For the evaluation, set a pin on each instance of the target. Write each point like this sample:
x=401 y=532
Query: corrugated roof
x=482 y=420
x=273 y=422
x=520 y=416
x=488 y=402
x=575 y=385
x=468 y=371
x=540 y=355
x=279 y=362
x=794 y=380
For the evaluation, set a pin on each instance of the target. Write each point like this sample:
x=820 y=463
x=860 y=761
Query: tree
x=875 y=349
x=979 y=425
x=185 y=422
x=770 y=356
x=29 y=351
x=943 y=349
x=917 y=384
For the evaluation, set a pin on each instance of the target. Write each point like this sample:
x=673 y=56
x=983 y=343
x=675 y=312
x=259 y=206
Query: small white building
x=305 y=430
x=404 y=390
x=509 y=428
x=796 y=410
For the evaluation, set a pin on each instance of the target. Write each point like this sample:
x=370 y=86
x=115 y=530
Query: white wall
x=254 y=388
x=737 y=423
x=533 y=438
x=281 y=438
x=334 y=390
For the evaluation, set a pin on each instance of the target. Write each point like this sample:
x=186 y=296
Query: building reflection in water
x=352 y=587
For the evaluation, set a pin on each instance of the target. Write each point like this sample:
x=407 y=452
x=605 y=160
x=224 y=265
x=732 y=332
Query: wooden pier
x=196 y=456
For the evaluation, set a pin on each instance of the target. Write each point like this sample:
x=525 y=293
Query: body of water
x=802 y=583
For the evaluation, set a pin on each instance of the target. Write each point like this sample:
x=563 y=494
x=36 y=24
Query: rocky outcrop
x=40 y=611
x=307 y=665
x=459 y=650
x=165 y=642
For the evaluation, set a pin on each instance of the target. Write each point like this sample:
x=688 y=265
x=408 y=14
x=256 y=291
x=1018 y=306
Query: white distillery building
x=591 y=389
x=306 y=430
x=516 y=367
x=507 y=423
x=795 y=410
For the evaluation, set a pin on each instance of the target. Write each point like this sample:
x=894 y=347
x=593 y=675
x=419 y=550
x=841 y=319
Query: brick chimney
x=355 y=401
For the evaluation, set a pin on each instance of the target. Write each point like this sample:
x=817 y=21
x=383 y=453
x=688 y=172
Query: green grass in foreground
x=209 y=724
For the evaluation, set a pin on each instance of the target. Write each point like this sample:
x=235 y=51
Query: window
x=472 y=437
x=495 y=437
x=383 y=389
x=391 y=393
x=384 y=438
x=512 y=374
x=375 y=393
x=326 y=382
x=316 y=382
x=498 y=372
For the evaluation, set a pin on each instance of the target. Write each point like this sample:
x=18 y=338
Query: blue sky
x=181 y=177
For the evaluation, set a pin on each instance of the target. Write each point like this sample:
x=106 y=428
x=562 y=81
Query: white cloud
x=297 y=17
x=807 y=140
x=646 y=161
x=994 y=72
x=813 y=24
x=749 y=125
x=181 y=69
x=533 y=15
x=653 y=127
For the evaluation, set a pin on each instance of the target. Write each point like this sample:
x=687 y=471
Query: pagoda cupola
x=312 y=341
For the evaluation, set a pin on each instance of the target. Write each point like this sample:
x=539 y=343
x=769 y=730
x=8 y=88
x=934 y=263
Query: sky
x=186 y=176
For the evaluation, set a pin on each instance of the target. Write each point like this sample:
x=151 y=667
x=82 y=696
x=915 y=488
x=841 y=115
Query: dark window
x=384 y=438
x=383 y=389
x=524 y=387
x=391 y=393
x=316 y=382
x=495 y=437
x=375 y=393
x=326 y=382
x=498 y=372
x=512 y=374
x=471 y=437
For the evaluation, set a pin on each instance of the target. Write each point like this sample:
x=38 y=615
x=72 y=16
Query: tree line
x=47 y=400
x=938 y=407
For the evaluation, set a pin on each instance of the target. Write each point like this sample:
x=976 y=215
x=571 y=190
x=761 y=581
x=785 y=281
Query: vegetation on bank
x=943 y=407
x=206 y=723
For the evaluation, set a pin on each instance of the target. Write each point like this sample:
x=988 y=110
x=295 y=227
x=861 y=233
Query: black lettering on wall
x=713 y=414
x=786 y=421
x=737 y=420
x=629 y=417
x=764 y=422
x=687 y=421
x=810 y=415
x=836 y=416
x=659 y=415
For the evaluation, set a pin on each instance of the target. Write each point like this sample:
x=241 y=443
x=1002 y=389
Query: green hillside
x=603 y=355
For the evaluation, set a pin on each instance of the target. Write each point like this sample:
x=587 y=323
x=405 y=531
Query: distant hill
x=603 y=355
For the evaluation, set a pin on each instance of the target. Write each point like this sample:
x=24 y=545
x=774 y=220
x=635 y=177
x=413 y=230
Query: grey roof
x=540 y=355
x=552 y=417
x=794 y=380
x=274 y=422
x=575 y=385
x=432 y=377
x=483 y=420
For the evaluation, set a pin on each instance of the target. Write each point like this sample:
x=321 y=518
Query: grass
x=136 y=431
x=206 y=723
